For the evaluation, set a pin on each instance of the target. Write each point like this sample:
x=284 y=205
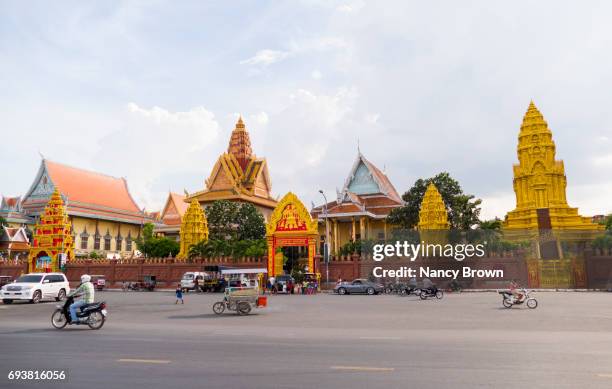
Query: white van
x=188 y=280
x=35 y=287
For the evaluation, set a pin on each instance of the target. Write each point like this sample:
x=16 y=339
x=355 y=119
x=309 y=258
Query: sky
x=151 y=90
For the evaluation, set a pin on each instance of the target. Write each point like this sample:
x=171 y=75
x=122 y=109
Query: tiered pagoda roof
x=367 y=191
x=14 y=239
x=12 y=211
x=86 y=193
x=238 y=174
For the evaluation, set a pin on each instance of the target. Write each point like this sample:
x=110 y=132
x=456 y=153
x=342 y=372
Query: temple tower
x=240 y=144
x=540 y=182
x=432 y=215
x=194 y=228
x=52 y=237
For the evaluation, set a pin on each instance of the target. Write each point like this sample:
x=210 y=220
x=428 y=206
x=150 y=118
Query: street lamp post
x=326 y=246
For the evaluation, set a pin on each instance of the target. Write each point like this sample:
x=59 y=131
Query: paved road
x=323 y=341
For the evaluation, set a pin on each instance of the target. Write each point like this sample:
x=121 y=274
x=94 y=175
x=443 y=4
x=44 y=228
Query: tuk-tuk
x=5 y=280
x=99 y=281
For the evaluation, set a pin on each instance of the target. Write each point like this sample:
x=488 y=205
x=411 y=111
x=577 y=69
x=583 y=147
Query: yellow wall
x=80 y=223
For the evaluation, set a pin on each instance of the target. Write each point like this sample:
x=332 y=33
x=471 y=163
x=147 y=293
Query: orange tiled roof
x=87 y=194
x=85 y=186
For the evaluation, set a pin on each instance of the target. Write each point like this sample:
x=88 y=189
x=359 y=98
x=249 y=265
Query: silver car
x=359 y=285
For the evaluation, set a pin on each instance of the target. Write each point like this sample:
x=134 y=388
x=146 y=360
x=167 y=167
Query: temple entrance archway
x=290 y=225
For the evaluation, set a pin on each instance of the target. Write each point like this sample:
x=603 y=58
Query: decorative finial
x=240 y=122
x=358 y=147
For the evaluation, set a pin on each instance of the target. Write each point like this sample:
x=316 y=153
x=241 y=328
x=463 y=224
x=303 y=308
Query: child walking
x=179 y=294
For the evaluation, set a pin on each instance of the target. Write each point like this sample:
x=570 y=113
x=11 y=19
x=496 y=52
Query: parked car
x=188 y=280
x=99 y=281
x=35 y=287
x=359 y=286
x=5 y=280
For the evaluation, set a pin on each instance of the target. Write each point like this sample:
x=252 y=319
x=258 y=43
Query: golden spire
x=540 y=181
x=432 y=215
x=194 y=228
x=240 y=144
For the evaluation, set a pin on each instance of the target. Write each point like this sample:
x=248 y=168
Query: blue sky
x=151 y=90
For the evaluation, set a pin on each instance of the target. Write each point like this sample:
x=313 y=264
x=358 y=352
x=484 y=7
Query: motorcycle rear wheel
x=439 y=294
x=532 y=303
x=506 y=303
x=423 y=295
x=58 y=320
x=96 y=320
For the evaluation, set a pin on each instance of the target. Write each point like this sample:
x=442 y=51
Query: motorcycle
x=94 y=315
x=431 y=292
x=407 y=291
x=508 y=299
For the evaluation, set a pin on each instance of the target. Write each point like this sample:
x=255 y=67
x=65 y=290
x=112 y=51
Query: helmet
x=85 y=278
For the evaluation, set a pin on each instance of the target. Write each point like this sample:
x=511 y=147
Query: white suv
x=35 y=287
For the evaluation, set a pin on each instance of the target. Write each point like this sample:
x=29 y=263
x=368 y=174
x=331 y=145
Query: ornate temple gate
x=290 y=225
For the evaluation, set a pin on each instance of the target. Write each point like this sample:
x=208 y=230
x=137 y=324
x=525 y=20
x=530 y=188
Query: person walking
x=179 y=294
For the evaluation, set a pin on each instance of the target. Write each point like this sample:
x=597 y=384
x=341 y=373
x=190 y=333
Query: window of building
x=107 y=242
x=97 y=241
x=128 y=244
x=84 y=240
x=118 y=242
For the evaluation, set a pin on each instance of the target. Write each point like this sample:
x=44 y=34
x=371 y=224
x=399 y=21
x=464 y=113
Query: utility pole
x=326 y=245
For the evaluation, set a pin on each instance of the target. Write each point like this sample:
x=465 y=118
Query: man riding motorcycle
x=427 y=284
x=86 y=293
x=515 y=290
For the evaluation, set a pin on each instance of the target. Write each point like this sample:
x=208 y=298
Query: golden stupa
x=432 y=215
x=194 y=228
x=540 y=182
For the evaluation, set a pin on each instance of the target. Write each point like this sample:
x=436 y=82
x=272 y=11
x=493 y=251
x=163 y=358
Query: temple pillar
x=335 y=232
x=362 y=228
x=353 y=232
x=385 y=229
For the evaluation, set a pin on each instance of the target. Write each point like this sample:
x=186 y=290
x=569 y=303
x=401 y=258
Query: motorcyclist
x=515 y=290
x=86 y=293
x=412 y=285
x=427 y=284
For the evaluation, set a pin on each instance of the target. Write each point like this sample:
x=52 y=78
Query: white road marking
x=156 y=361
x=362 y=368
x=604 y=375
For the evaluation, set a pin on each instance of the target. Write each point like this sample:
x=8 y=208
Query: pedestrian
x=196 y=286
x=290 y=287
x=179 y=294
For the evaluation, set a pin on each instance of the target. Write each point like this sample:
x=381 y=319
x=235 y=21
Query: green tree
x=251 y=223
x=222 y=216
x=493 y=224
x=163 y=247
x=229 y=220
x=3 y=222
x=463 y=209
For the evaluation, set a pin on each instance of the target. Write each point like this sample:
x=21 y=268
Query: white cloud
x=266 y=57
x=153 y=144
x=351 y=7
x=316 y=75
